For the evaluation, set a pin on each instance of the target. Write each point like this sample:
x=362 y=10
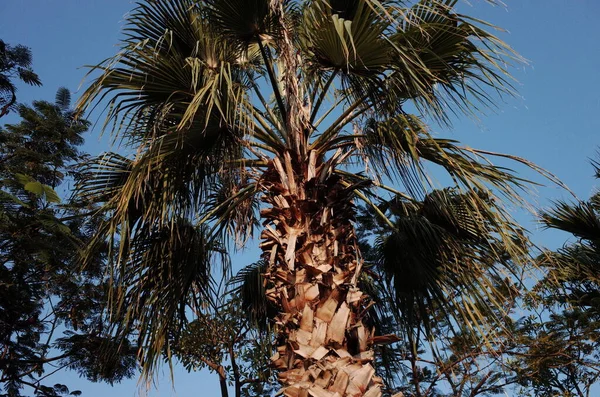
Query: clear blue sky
x=555 y=122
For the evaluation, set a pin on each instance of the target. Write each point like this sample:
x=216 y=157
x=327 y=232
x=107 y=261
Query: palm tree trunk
x=314 y=263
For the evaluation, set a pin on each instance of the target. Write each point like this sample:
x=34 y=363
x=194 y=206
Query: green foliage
x=226 y=341
x=42 y=286
x=557 y=353
x=43 y=146
x=57 y=390
x=15 y=62
x=561 y=351
x=97 y=358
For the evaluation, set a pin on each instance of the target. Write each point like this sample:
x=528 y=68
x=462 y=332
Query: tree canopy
x=15 y=63
x=51 y=312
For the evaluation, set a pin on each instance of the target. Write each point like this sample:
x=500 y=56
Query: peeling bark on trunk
x=313 y=260
x=309 y=242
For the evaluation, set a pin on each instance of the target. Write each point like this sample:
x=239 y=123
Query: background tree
x=561 y=353
x=239 y=110
x=228 y=342
x=15 y=62
x=556 y=354
x=51 y=313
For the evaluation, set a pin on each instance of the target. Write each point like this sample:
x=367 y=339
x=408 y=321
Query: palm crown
x=287 y=112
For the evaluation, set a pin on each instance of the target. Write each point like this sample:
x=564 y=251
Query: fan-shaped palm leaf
x=451 y=250
x=168 y=269
x=582 y=220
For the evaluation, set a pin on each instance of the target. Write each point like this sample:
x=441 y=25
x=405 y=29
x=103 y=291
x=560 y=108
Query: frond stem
x=378 y=184
x=322 y=96
x=272 y=117
x=345 y=118
x=364 y=198
x=273 y=80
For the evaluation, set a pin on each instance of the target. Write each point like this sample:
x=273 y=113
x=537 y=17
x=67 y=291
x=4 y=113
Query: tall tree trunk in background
x=314 y=264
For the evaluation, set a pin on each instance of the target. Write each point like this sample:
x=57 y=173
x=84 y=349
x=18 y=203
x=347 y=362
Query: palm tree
x=278 y=116
x=451 y=282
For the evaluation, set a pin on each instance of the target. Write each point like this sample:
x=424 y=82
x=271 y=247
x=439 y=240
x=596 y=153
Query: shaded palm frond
x=163 y=181
x=575 y=266
x=414 y=272
x=249 y=283
x=451 y=250
x=167 y=271
x=103 y=177
x=234 y=205
x=596 y=166
x=582 y=219
x=458 y=214
x=171 y=177
x=244 y=21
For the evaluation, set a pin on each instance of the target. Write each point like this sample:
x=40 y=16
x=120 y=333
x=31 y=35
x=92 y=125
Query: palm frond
x=406 y=142
x=173 y=71
x=167 y=271
x=451 y=251
x=596 y=166
x=346 y=37
x=581 y=219
x=234 y=207
x=103 y=177
x=249 y=284
x=449 y=60
x=244 y=21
